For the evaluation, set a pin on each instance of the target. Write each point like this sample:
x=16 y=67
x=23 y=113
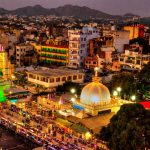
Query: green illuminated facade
x=54 y=55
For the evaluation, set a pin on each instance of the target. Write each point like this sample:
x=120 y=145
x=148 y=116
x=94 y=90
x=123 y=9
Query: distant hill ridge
x=66 y=10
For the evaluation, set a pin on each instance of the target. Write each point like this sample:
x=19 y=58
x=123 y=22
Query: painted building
x=54 y=55
x=78 y=45
x=136 y=30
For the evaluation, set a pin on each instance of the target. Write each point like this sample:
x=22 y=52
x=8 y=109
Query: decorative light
x=115 y=93
x=119 y=89
x=73 y=99
x=73 y=91
x=133 y=97
x=88 y=135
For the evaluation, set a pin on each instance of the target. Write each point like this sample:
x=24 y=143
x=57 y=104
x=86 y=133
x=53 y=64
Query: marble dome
x=95 y=93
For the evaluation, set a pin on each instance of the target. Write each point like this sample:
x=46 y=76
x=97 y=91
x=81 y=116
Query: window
x=69 y=78
x=63 y=78
x=37 y=78
x=79 y=76
x=57 y=79
x=52 y=80
x=74 y=77
x=94 y=62
x=138 y=62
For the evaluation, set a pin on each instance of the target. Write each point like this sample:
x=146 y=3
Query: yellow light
x=73 y=91
x=88 y=136
x=73 y=99
x=12 y=76
x=119 y=89
x=133 y=97
x=115 y=93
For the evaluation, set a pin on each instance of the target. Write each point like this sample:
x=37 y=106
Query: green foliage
x=145 y=73
x=129 y=129
x=126 y=81
x=1 y=73
x=144 y=43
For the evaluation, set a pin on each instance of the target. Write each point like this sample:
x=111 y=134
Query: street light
x=72 y=91
x=73 y=99
x=133 y=97
x=119 y=89
x=115 y=93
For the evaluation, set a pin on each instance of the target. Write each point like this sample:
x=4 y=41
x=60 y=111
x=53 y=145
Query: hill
x=67 y=10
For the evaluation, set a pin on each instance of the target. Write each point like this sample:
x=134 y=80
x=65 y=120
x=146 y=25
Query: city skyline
x=117 y=7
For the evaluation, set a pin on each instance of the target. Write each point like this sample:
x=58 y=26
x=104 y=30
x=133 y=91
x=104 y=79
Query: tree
x=145 y=73
x=67 y=86
x=1 y=73
x=129 y=129
x=144 y=80
x=126 y=81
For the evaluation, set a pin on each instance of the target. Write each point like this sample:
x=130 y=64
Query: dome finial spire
x=96 y=78
x=96 y=69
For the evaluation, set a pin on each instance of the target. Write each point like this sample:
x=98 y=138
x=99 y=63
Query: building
x=100 y=53
x=51 y=78
x=133 y=60
x=95 y=98
x=136 y=30
x=54 y=55
x=78 y=45
x=6 y=67
x=120 y=39
x=21 y=51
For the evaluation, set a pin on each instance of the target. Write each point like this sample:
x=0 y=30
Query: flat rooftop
x=15 y=90
x=55 y=72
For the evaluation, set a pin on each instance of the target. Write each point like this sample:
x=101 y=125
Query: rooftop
x=54 y=72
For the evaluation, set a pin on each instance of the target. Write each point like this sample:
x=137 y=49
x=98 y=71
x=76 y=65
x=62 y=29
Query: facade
x=120 y=39
x=53 y=77
x=21 y=51
x=54 y=55
x=133 y=60
x=136 y=30
x=78 y=45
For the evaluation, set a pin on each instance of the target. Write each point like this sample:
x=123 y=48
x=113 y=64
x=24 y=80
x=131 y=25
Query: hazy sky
x=141 y=7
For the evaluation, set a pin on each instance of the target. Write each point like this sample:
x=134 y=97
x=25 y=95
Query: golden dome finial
x=96 y=78
x=96 y=69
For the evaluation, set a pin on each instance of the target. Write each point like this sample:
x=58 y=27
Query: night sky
x=116 y=7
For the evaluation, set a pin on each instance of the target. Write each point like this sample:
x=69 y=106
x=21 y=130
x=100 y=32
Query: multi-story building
x=100 y=53
x=51 y=78
x=54 y=54
x=78 y=45
x=21 y=51
x=133 y=60
x=121 y=38
x=136 y=30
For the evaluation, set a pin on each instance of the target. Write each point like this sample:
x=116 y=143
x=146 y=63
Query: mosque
x=95 y=98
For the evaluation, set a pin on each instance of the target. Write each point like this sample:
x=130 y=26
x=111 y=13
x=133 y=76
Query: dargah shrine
x=95 y=98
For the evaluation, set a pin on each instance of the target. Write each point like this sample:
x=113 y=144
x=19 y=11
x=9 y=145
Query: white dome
x=95 y=93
